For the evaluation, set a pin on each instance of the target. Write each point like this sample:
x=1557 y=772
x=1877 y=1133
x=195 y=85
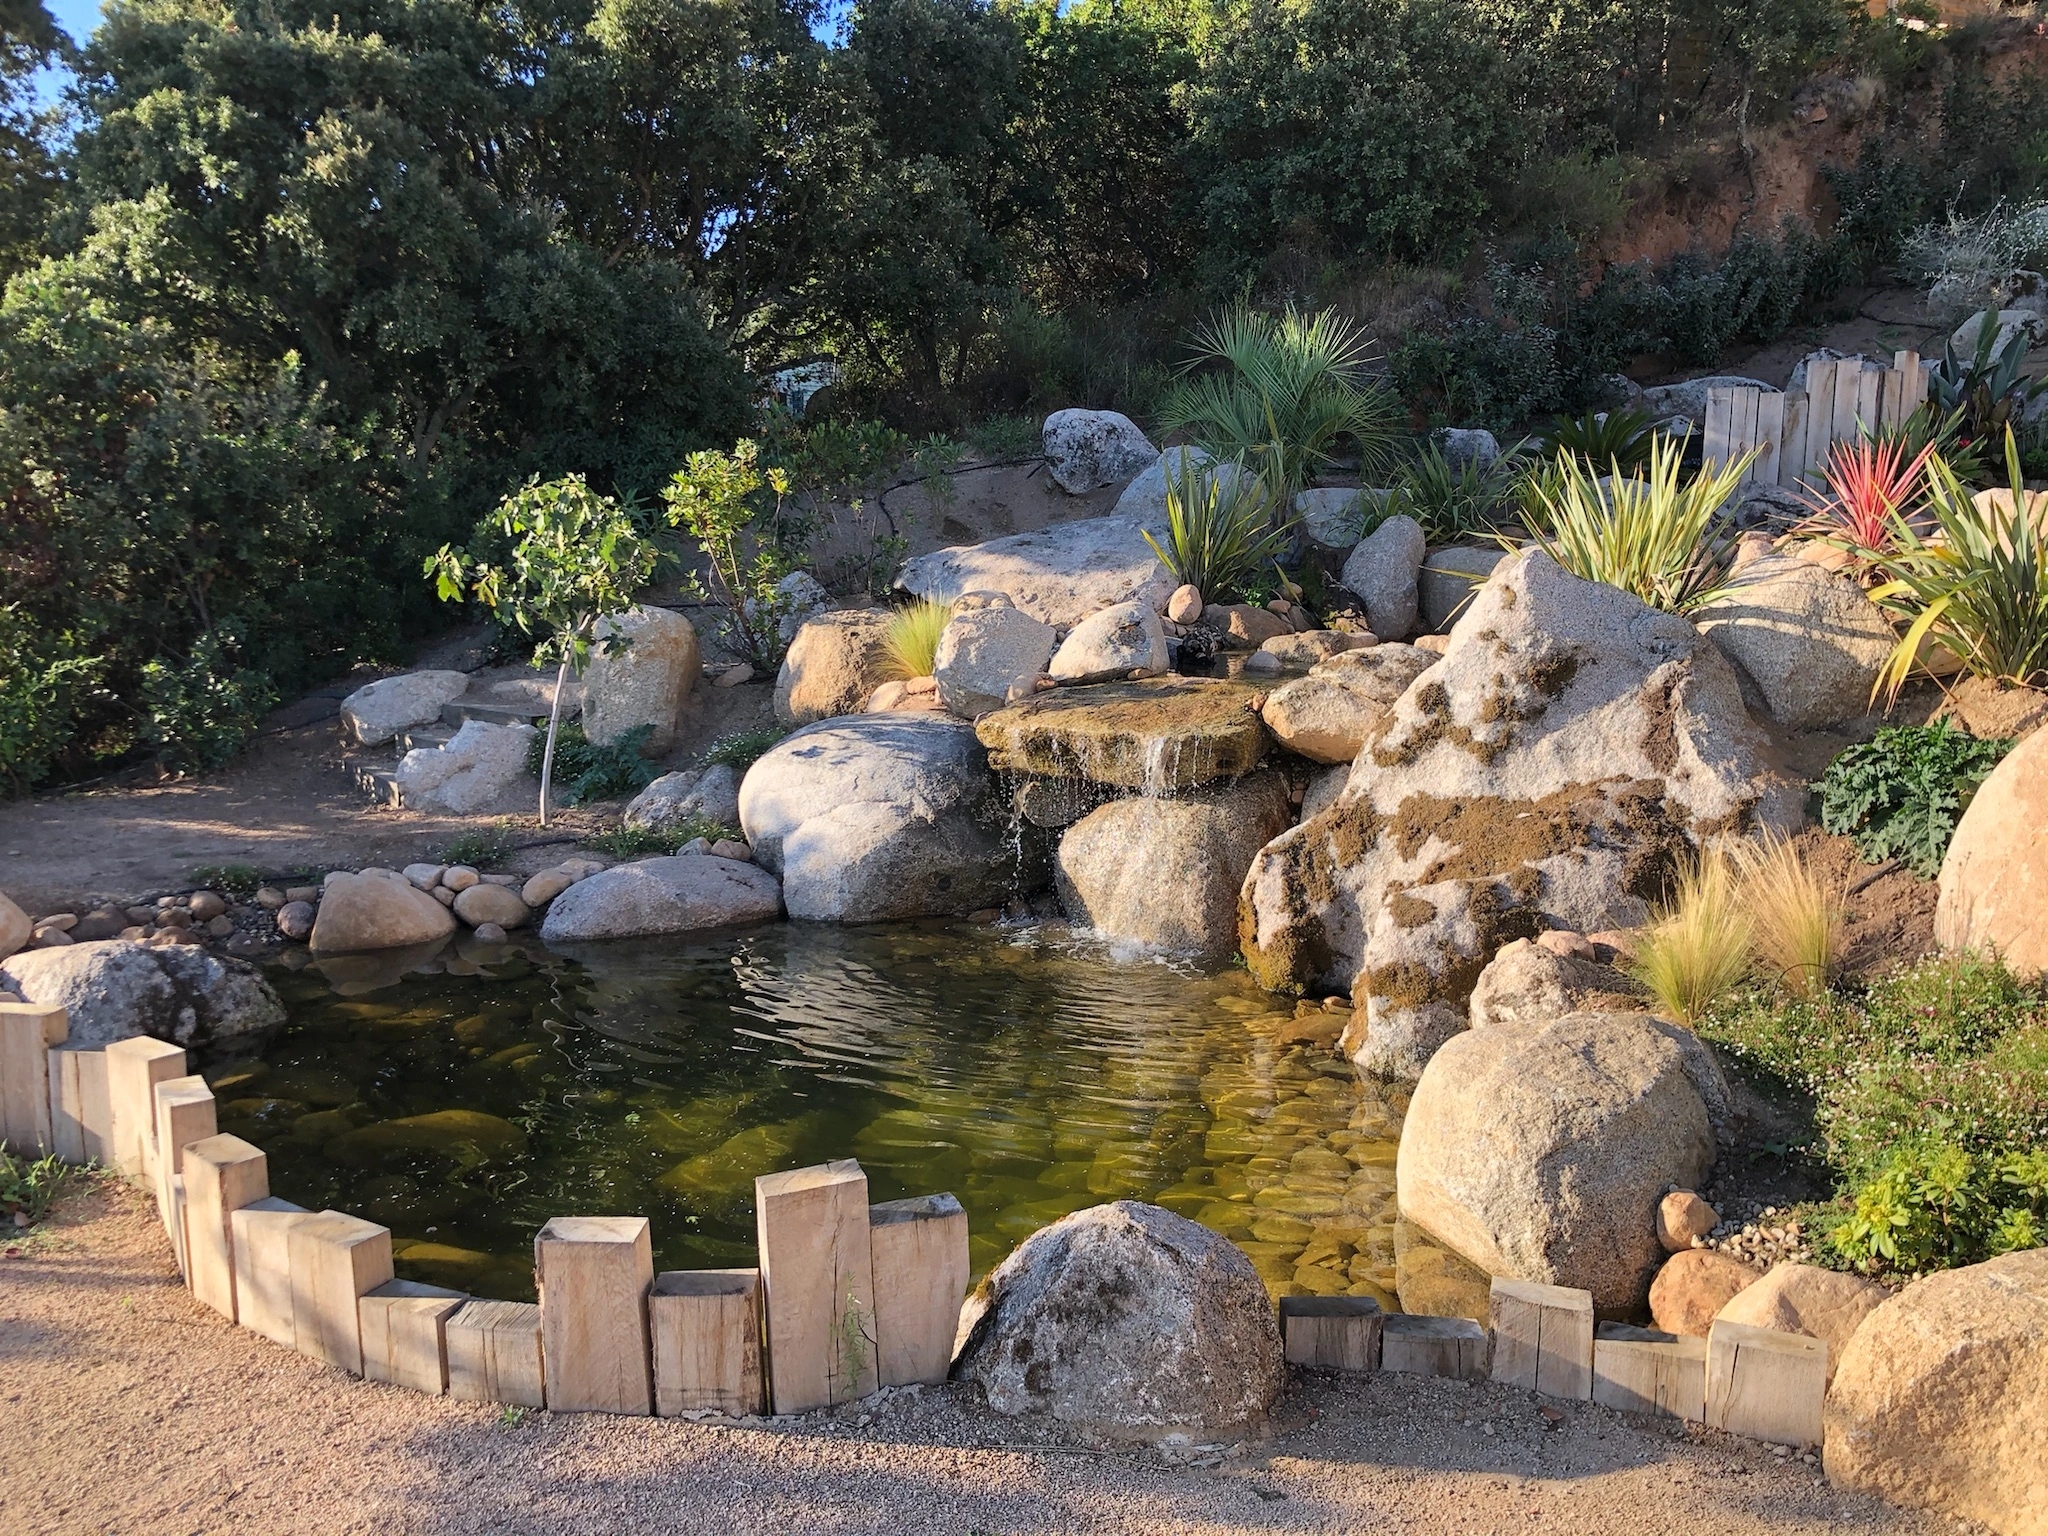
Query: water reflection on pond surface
x=1029 y=1072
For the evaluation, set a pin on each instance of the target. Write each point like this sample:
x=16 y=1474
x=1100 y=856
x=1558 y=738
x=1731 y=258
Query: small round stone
x=460 y=877
x=490 y=933
x=205 y=906
x=295 y=919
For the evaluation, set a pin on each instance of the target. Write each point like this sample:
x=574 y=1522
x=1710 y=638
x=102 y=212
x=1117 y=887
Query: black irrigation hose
x=882 y=496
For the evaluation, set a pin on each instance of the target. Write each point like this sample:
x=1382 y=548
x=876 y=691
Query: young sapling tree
x=571 y=558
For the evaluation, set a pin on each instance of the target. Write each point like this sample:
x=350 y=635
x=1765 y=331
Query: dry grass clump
x=1796 y=917
x=910 y=644
x=1698 y=945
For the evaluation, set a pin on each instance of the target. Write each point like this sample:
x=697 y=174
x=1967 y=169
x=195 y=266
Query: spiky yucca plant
x=1654 y=536
x=1975 y=584
x=1871 y=486
x=1290 y=389
x=910 y=641
x=1220 y=527
x=1697 y=947
x=1796 y=916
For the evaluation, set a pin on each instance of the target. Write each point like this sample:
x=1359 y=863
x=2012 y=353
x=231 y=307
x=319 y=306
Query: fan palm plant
x=1290 y=390
x=1653 y=536
x=1975 y=584
x=1604 y=437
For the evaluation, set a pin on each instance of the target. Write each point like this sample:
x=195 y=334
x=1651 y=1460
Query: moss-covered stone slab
x=1158 y=734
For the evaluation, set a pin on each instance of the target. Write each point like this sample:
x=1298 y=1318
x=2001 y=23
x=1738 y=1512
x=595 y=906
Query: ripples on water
x=1029 y=1072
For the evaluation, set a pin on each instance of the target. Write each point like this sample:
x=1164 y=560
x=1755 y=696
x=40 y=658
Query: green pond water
x=1029 y=1072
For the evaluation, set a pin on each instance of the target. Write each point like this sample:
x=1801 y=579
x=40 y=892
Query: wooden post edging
x=1640 y=1370
x=594 y=1273
x=1765 y=1384
x=707 y=1342
x=1542 y=1337
x=27 y=1032
x=817 y=1285
x=921 y=1263
x=134 y=1068
x=1331 y=1333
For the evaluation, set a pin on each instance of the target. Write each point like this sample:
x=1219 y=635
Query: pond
x=1028 y=1071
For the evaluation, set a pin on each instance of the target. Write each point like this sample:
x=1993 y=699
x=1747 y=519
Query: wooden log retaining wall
x=611 y=1335
x=1792 y=433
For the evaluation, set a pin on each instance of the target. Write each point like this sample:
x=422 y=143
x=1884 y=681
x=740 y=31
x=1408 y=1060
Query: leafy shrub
x=479 y=847
x=44 y=691
x=638 y=842
x=1220 y=530
x=910 y=644
x=1453 y=502
x=1007 y=437
x=742 y=749
x=27 y=1187
x=1967 y=261
x=1976 y=585
x=1698 y=946
x=232 y=879
x=586 y=771
x=1931 y=1093
x=202 y=711
x=1653 y=536
x=1901 y=794
x=1285 y=393
x=732 y=506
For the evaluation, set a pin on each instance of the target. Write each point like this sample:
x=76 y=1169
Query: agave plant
x=1290 y=390
x=1653 y=536
x=1871 y=488
x=1975 y=584
x=1602 y=438
x=1220 y=529
x=1987 y=391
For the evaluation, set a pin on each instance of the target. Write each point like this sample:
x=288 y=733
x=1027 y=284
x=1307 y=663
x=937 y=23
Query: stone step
x=381 y=785
x=491 y=714
x=418 y=736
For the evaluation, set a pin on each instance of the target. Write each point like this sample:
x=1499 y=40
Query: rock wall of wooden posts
x=1792 y=433
x=849 y=1296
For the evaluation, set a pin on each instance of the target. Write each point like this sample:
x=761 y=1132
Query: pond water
x=1028 y=1071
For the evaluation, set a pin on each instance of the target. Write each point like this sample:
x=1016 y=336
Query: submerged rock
x=1540 y=1152
x=113 y=989
x=671 y=895
x=466 y=1137
x=1156 y=734
x=1570 y=745
x=1130 y=1321
x=1166 y=872
x=1942 y=1392
x=878 y=816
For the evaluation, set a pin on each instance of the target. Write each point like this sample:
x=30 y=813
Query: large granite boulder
x=1328 y=715
x=1057 y=575
x=480 y=769
x=878 y=816
x=1086 y=450
x=1994 y=878
x=710 y=794
x=642 y=668
x=1569 y=747
x=984 y=653
x=112 y=989
x=1823 y=1304
x=1122 y=639
x=1157 y=735
x=1806 y=639
x=1449 y=577
x=1688 y=397
x=376 y=712
x=1941 y=1397
x=1334 y=515
x=1165 y=872
x=1382 y=570
x=835 y=662
x=673 y=895
x=377 y=910
x=16 y=926
x=1129 y=1321
x=1540 y=1152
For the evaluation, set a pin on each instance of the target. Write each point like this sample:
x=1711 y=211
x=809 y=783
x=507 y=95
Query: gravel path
x=127 y=1408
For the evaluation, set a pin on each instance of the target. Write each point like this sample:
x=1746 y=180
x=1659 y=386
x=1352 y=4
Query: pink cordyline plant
x=1870 y=486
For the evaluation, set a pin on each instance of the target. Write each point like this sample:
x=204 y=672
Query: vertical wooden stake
x=222 y=1174
x=594 y=1274
x=1770 y=438
x=817 y=1280
x=1543 y=1337
x=405 y=1334
x=1765 y=1384
x=134 y=1068
x=260 y=1234
x=184 y=1114
x=707 y=1341
x=27 y=1031
x=494 y=1354
x=336 y=1259
x=921 y=1268
x=1331 y=1333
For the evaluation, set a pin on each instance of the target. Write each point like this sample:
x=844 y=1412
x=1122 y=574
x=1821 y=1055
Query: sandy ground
x=126 y=1407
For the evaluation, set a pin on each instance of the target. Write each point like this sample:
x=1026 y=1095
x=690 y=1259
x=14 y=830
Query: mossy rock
x=1157 y=734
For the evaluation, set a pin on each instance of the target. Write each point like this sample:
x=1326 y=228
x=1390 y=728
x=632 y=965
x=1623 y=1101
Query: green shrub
x=1900 y=794
x=479 y=847
x=742 y=749
x=1655 y=536
x=1221 y=534
x=1613 y=442
x=45 y=691
x=586 y=771
x=27 y=1187
x=229 y=879
x=202 y=711
x=639 y=842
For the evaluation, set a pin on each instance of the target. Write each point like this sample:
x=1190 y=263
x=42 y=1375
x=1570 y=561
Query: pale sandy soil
x=127 y=1408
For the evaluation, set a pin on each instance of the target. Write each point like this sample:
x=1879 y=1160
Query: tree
x=29 y=41
x=572 y=558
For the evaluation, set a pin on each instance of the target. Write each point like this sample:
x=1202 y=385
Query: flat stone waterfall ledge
x=1156 y=735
